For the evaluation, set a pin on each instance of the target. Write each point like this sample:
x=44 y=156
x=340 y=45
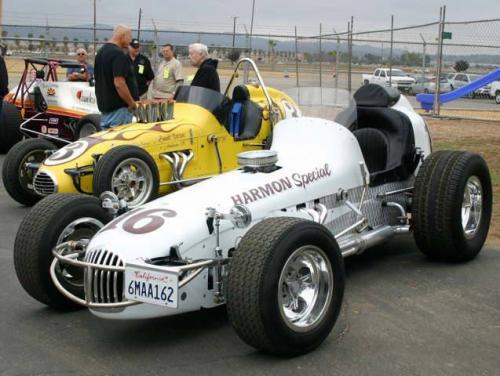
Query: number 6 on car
x=267 y=239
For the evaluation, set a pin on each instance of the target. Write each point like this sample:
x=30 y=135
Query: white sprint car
x=268 y=239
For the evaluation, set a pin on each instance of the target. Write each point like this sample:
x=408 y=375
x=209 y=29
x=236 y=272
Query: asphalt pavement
x=402 y=315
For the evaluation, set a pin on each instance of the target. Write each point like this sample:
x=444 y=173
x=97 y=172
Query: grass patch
x=478 y=137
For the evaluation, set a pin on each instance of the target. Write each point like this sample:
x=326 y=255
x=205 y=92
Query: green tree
x=42 y=41
x=461 y=66
x=5 y=33
x=30 y=42
x=17 y=41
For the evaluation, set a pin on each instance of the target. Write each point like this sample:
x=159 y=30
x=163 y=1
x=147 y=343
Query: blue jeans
x=115 y=118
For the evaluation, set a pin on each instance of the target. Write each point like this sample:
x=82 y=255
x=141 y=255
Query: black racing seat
x=245 y=117
x=374 y=146
x=385 y=135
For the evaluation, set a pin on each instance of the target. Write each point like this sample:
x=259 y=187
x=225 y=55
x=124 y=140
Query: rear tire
x=267 y=276
x=497 y=97
x=87 y=125
x=17 y=179
x=10 y=120
x=40 y=232
x=452 y=204
x=111 y=174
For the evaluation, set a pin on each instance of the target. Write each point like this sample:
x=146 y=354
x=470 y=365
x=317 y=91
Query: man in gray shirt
x=168 y=76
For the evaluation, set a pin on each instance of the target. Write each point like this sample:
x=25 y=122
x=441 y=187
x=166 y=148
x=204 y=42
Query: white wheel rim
x=472 y=207
x=132 y=180
x=305 y=288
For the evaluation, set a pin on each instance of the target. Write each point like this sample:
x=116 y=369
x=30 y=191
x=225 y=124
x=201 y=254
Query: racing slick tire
x=57 y=218
x=285 y=286
x=87 y=125
x=128 y=171
x=452 y=203
x=10 y=120
x=17 y=178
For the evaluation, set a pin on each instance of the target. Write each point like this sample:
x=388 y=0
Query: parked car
x=382 y=76
x=156 y=155
x=267 y=239
x=428 y=85
x=43 y=107
x=457 y=80
x=495 y=91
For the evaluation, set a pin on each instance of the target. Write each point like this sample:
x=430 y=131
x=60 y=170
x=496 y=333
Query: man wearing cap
x=168 y=76
x=142 y=68
x=85 y=72
x=115 y=83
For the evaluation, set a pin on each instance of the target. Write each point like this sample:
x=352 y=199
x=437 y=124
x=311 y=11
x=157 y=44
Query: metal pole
x=337 y=61
x=349 y=31
x=47 y=37
x=320 y=58
x=437 y=102
x=424 y=45
x=157 y=43
x=95 y=21
x=139 y=25
x=251 y=25
x=234 y=29
x=296 y=59
x=390 y=55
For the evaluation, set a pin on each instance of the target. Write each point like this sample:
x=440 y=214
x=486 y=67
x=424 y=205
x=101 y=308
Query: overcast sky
x=270 y=16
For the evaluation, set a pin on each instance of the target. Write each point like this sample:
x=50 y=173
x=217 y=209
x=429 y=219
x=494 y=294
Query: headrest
x=241 y=93
x=373 y=95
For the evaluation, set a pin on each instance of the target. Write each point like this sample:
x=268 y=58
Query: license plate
x=149 y=284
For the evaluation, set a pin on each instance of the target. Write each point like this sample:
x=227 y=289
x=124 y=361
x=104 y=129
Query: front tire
x=57 y=218
x=10 y=120
x=497 y=97
x=17 y=178
x=452 y=205
x=285 y=286
x=129 y=172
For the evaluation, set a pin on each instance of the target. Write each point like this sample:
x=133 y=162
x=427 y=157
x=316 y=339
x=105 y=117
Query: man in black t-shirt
x=142 y=68
x=115 y=82
x=206 y=75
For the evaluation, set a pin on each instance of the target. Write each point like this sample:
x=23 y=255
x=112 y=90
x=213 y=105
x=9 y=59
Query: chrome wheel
x=87 y=129
x=132 y=180
x=80 y=229
x=472 y=207
x=305 y=288
x=26 y=175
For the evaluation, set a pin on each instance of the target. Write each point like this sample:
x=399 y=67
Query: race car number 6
x=142 y=222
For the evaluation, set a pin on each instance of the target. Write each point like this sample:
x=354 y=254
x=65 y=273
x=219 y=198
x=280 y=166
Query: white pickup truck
x=400 y=80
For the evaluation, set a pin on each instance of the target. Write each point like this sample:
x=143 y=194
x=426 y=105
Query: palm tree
x=271 y=44
x=65 y=44
x=30 y=43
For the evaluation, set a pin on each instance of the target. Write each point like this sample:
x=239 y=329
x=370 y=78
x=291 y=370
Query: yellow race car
x=201 y=138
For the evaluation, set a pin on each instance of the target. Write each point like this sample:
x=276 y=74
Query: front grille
x=103 y=286
x=43 y=184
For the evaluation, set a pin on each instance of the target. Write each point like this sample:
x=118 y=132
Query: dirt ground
x=479 y=137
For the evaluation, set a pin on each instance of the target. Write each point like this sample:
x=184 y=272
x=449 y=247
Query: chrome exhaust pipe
x=357 y=243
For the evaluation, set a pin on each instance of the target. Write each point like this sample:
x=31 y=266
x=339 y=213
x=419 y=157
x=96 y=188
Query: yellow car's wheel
x=129 y=172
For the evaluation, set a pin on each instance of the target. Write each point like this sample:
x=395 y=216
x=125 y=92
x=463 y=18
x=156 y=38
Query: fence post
x=337 y=61
x=349 y=47
x=320 y=58
x=424 y=45
x=390 y=54
x=296 y=59
x=437 y=102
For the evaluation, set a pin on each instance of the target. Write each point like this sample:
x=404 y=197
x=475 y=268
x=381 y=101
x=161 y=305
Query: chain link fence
x=338 y=58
